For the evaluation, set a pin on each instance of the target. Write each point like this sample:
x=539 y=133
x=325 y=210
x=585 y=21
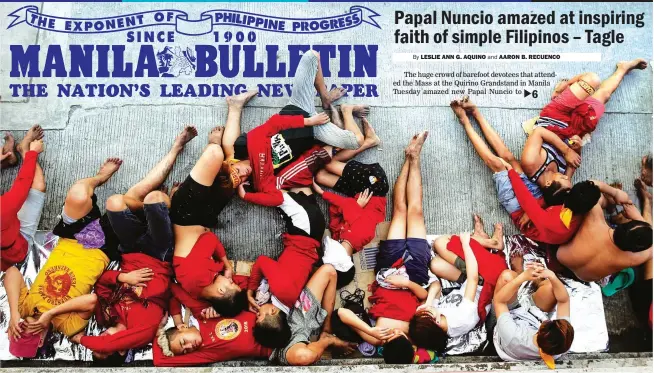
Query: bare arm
x=560 y=294
x=433 y=293
x=374 y=336
x=472 y=269
x=13 y=282
x=503 y=296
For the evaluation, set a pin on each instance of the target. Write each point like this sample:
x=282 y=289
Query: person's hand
x=137 y=277
x=572 y=158
x=15 y=328
x=398 y=281
x=364 y=198
x=506 y=164
x=532 y=271
x=241 y=190
x=36 y=146
x=524 y=222
x=317 y=188
x=252 y=303
x=209 y=313
x=547 y=274
x=5 y=156
x=38 y=326
x=181 y=326
x=574 y=143
x=381 y=333
x=316 y=120
x=228 y=272
x=465 y=238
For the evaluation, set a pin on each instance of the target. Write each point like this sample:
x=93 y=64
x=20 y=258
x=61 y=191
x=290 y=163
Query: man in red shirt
x=132 y=300
x=217 y=339
x=521 y=197
x=21 y=205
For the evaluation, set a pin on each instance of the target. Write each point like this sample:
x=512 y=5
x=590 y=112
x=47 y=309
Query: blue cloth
x=505 y=192
x=416 y=255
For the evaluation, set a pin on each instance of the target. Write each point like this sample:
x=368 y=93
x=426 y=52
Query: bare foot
x=335 y=116
x=410 y=149
x=34 y=133
x=163 y=188
x=333 y=95
x=646 y=170
x=359 y=111
x=341 y=347
x=479 y=227
x=643 y=193
x=108 y=168
x=240 y=100
x=420 y=141
x=467 y=104
x=370 y=136
x=187 y=134
x=216 y=135
x=627 y=66
x=498 y=235
x=173 y=190
x=8 y=147
x=458 y=110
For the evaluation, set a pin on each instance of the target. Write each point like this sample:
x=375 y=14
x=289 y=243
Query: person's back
x=592 y=254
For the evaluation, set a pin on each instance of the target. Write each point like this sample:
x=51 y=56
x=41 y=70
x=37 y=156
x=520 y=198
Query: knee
x=93 y=301
x=39 y=185
x=215 y=152
x=415 y=209
x=116 y=203
x=399 y=209
x=329 y=271
x=507 y=276
x=157 y=196
x=494 y=163
x=78 y=195
x=507 y=156
x=440 y=243
x=592 y=79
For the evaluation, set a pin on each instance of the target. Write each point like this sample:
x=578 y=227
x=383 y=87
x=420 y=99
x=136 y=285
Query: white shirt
x=461 y=314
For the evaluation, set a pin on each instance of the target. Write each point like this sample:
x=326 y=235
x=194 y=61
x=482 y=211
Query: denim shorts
x=505 y=192
x=414 y=252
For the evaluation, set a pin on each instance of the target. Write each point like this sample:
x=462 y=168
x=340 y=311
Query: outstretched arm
x=472 y=269
x=531 y=152
x=375 y=336
x=84 y=304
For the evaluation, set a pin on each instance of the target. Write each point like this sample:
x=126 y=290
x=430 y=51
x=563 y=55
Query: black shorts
x=197 y=204
x=359 y=176
x=415 y=253
x=302 y=215
x=150 y=234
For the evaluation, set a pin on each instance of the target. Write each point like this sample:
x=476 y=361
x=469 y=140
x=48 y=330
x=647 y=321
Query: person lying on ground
x=591 y=256
x=22 y=204
x=289 y=144
x=468 y=262
x=353 y=218
x=61 y=293
x=216 y=339
x=133 y=299
x=520 y=333
x=640 y=292
x=520 y=196
x=310 y=313
x=8 y=156
x=286 y=277
x=200 y=262
x=402 y=262
x=575 y=110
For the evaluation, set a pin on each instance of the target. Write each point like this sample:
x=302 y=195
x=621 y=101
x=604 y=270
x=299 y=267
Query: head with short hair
x=582 y=197
x=646 y=170
x=175 y=342
x=225 y=296
x=555 y=188
x=633 y=236
x=271 y=329
x=234 y=172
x=426 y=333
x=398 y=349
x=555 y=337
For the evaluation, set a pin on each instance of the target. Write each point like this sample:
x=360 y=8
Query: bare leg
x=441 y=268
x=492 y=161
x=505 y=277
x=479 y=227
x=78 y=200
x=370 y=140
x=544 y=297
x=235 y=106
x=608 y=86
x=160 y=172
x=415 y=216
x=348 y=120
x=493 y=138
x=207 y=167
x=322 y=285
x=397 y=229
x=327 y=98
x=326 y=178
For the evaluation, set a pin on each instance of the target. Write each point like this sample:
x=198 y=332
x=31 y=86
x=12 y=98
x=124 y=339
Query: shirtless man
x=576 y=107
x=597 y=250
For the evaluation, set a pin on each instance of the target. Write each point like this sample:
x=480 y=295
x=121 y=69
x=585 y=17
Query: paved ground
x=81 y=133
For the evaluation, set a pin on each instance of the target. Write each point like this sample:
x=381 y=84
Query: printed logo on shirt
x=228 y=329
x=281 y=152
x=58 y=282
x=372 y=180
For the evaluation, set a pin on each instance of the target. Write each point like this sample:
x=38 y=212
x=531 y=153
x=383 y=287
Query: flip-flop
x=620 y=281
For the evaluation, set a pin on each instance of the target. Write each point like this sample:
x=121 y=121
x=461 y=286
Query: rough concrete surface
x=82 y=132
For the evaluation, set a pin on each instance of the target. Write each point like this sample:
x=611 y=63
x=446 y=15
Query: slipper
x=620 y=280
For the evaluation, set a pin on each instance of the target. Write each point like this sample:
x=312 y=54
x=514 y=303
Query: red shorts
x=562 y=106
x=301 y=172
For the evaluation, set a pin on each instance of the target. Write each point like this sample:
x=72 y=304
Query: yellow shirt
x=70 y=271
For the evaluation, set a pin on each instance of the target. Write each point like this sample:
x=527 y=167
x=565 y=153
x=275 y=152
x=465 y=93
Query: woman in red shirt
x=21 y=206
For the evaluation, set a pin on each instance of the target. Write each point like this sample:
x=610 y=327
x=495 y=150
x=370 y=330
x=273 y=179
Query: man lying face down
x=200 y=263
x=217 y=339
x=61 y=293
x=132 y=300
x=402 y=267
